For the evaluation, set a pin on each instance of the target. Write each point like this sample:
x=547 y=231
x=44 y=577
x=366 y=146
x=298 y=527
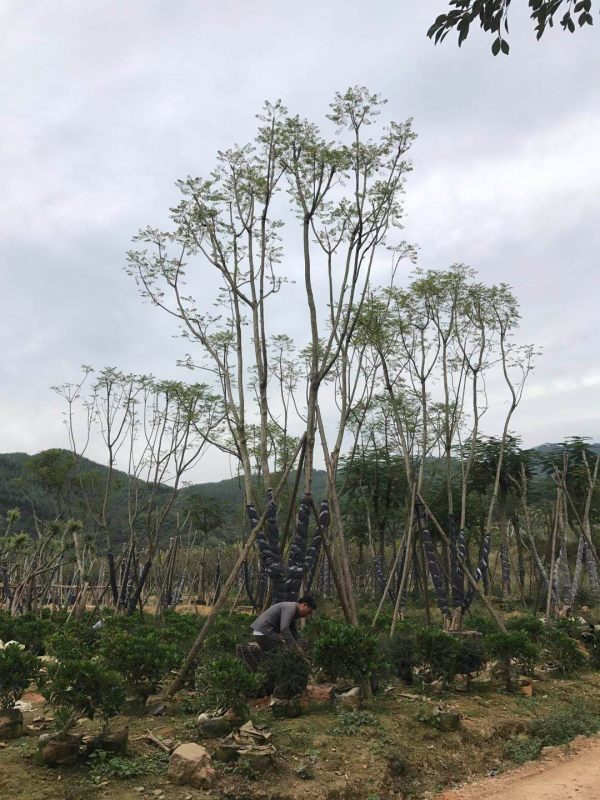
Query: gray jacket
x=280 y=618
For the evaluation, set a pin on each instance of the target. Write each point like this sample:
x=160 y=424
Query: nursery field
x=441 y=710
x=385 y=750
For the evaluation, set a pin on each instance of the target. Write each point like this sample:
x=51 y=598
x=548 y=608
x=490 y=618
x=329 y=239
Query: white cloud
x=104 y=105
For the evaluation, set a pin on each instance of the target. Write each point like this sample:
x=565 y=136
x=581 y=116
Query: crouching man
x=277 y=625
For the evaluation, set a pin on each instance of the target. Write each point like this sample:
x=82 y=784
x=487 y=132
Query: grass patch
x=349 y=723
x=105 y=765
x=559 y=727
x=522 y=749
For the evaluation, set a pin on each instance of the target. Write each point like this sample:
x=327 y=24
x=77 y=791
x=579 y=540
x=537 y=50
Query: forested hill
x=46 y=483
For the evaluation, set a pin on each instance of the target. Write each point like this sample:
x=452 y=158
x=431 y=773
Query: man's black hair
x=309 y=600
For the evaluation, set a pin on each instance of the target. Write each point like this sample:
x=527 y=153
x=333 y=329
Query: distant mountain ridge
x=20 y=488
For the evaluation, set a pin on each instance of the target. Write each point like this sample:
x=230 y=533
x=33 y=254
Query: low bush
x=27 y=629
x=515 y=651
x=82 y=688
x=437 y=652
x=533 y=626
x=74 y=641
x=225 y=682
x=383 y=623
x=180 y=630
x=18 y=667
x=480 y=620
x=349 y=723
x=105 y=765
x=521 y=749
x=316 y=625
x=566 y=655
x=592 y=645
x=397 y=765
x=347 y=651
x=569 y=626
x=561 y=726
x=140 y=654
x=226 y=631
x=286 y=673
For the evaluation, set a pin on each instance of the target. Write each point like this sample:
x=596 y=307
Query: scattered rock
x=59 y=749
x=436 y=687
x=226 y=751
x=549 y=751
x=113 y=742
x=285 y=709
x=352 y=699
x=443 y=720
x=258 y=757
x=34 y=698
x=319 y=693
x=526 y=688
x=257 y=734
x=11 y=724
x=213 y=724
x=190 y=765
x=251 y=743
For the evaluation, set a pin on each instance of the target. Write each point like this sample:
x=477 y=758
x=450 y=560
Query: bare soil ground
x=394 y=754
x=570 y=773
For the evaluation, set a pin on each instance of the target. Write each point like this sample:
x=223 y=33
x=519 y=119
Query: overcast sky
x=104 y=105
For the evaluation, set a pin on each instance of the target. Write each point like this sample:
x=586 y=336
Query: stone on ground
x=351 y=699
x=190 y=765
x=59 y=750
x=283 y=709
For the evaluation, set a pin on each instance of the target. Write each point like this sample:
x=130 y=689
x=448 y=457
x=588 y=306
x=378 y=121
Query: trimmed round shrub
x=18 y=667
x=533 y=626
x=438 y=652
x=225 y=682
x=347 y=651
x=514 y=646
x=566 y=655
x=470 y=654
x=82 y=688
x=75 y=641
x=480 y=620
x=286 y=673
x=141 y=655
x=27 y=629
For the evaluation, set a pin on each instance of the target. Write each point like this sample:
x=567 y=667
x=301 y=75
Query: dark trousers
x=268 y=642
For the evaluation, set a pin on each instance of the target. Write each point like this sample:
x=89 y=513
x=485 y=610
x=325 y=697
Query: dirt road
x=563 y=774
